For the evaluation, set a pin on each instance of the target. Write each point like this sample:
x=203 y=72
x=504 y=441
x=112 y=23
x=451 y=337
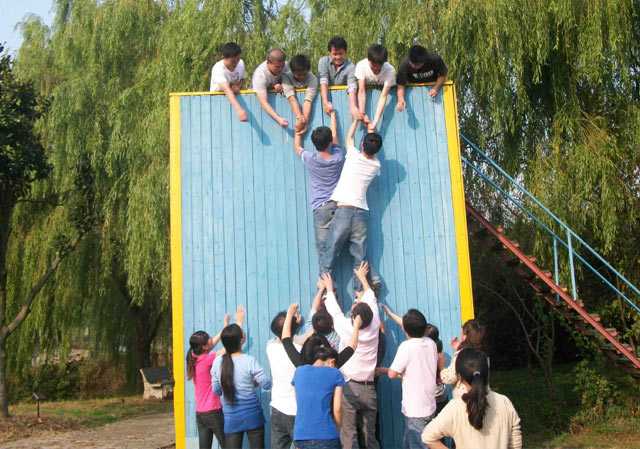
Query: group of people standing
x=323 y=378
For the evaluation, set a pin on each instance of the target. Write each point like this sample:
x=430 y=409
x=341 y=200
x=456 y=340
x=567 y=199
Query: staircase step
x=612 y=331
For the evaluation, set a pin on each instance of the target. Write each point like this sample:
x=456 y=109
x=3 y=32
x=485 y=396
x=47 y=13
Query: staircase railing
x=510 y=190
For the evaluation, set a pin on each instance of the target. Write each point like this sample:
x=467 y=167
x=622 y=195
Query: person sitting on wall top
x=335 y=70
x=268 y=75
x=300 y=76
x=421 y=66
x=227 y=75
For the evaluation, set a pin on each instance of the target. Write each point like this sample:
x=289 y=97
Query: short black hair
x=414 y=323
x=365 y=312
x=377 y=54
x=418 y=54
x=230 y=49
x=277 y=324
x=338 y=43
x=300 y=63
x=322 y=322
x=371 y=143
x=321 y=138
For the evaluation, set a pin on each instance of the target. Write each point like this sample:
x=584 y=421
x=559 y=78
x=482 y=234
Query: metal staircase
x=520 y=206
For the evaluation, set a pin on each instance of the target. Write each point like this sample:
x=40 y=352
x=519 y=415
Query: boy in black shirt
x=421 y=66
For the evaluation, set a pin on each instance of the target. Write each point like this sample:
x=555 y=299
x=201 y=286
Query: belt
x=363 y=382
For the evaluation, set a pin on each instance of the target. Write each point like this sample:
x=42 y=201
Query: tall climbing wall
x=242 y=230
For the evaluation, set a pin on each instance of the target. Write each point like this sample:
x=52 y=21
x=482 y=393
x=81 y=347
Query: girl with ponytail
x=200 y=358
x=235 y=378
x=481 y=418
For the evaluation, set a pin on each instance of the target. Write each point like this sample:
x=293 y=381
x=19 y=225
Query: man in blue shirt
x=324 y=166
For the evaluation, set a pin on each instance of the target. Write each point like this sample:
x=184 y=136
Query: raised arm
x=357 y=324
x=350 y=134
x=231 y=96
x=361 y=273
x=393 y=316
x=216 y=338
x=240 y=315
x=341 y=324
x=297 y=142
x=286 y=327
x=334 y=128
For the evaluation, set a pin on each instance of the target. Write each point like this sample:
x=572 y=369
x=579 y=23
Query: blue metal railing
x=571 y=237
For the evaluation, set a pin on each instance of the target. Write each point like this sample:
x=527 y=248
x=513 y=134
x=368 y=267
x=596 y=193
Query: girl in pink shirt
x=208 y=407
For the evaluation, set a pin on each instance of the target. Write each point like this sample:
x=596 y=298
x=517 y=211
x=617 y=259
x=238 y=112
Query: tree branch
x=5 y=331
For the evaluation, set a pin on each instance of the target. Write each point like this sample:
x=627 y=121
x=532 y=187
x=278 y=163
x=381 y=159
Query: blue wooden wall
x=247 y=234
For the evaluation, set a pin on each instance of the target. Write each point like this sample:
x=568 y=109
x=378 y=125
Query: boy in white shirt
x=373 y=71
x=228 y=75
x=416 y=362
x=300 y=76
x=351 y=218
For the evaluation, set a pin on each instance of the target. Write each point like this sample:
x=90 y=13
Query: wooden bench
x=158 y=383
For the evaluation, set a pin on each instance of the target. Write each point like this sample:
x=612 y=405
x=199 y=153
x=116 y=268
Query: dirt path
x=144 y=432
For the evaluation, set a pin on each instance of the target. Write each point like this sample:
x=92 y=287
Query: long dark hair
x=197 y=342
x=475 y=333
x=473 y=367
x=231 y=337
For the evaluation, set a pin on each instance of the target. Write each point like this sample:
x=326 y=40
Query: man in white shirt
x=268 y=75
x=416 y=362
x=283 y=395
x=351 y=218
x=227 y=75
x=300 y=76
x=373 y=71
x=359 y=393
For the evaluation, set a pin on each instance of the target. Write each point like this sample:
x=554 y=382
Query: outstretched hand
x=362 y=270
x=292 y=310
x=328 y=281
x=226 y=320
x=240 y=314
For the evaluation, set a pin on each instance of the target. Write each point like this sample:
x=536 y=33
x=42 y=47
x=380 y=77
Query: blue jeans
x=413 y=432
x=322 y=218
x=350 y=225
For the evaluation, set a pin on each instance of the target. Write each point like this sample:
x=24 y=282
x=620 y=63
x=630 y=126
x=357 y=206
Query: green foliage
x=602 y=397
x=22 y=158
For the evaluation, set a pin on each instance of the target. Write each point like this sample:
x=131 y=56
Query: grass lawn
x=69 y=415
x=527 y=391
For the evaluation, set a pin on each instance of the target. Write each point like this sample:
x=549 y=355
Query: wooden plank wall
x=247 y=233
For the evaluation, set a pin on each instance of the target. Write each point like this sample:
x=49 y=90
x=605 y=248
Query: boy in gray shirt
x=300 y=76
x=335 y=70
x=268 y=75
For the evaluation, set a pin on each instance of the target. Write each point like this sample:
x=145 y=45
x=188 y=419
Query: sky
x=14 y=11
